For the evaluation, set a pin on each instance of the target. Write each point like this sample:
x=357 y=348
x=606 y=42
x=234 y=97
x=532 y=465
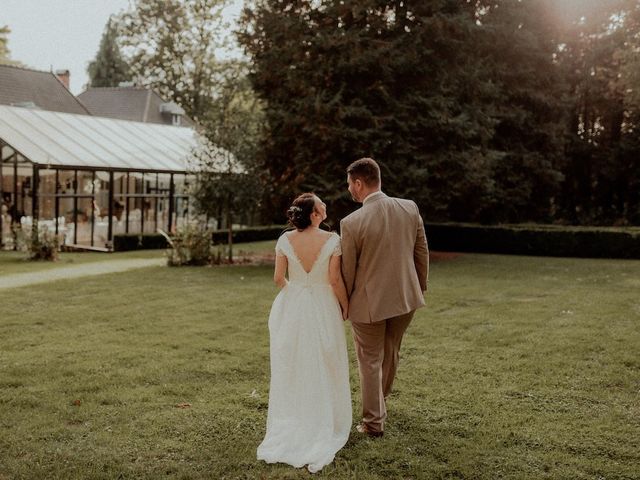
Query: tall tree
x=630 y=56
x=599 y=57
x=109 y=68
x=343 y=79
x=228 y=184
x=489 y=110
x=627 y=156
x=171 y=46
x=517 y=41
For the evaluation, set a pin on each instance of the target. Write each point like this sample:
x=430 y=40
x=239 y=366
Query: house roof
x=63 y=139
x=139 y=104
x=42 y=89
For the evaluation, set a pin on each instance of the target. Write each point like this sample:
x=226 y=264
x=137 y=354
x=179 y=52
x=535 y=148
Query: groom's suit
x=385 y=266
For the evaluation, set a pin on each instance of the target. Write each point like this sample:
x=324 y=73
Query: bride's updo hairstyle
x=299 y=213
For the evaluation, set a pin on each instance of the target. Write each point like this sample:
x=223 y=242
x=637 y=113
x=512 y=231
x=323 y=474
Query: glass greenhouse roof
x=63 y=139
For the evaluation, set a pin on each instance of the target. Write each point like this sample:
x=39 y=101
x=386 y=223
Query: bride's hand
x=345 y=313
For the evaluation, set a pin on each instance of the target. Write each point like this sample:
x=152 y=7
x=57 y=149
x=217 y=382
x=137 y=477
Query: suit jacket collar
x=372 y=197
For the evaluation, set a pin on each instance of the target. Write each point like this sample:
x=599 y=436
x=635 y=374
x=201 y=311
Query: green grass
x=255 y=248
x=519 y=368
x=17 y=262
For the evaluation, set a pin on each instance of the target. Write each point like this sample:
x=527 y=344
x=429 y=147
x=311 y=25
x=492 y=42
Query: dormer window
x=171 y=111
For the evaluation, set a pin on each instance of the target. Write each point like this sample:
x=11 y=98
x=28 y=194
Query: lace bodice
x=319 y=273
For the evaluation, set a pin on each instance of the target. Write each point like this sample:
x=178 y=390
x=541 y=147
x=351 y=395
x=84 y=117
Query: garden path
x=84 y=270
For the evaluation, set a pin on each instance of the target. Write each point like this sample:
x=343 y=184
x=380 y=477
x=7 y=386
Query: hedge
x=253 y=234
x=131 y=241
x=543 y=240
x=150 y=241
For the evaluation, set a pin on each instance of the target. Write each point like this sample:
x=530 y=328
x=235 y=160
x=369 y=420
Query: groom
x=385 y=265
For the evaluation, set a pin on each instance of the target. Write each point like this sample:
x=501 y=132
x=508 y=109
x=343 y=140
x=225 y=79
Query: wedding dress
x=309 y=415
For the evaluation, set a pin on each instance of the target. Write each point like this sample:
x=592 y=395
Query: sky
x=63 y=34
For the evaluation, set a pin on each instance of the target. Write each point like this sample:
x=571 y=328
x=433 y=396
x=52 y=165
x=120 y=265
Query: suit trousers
x=378 y=350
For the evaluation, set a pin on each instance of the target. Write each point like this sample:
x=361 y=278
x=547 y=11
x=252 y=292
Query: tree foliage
x=228 y=185
x=517 y=41
x=4 y=40
x=5 y=53
x=171 y=46
x=419 y=86
x=599 y=58
x=481 y=110
x=109 y=68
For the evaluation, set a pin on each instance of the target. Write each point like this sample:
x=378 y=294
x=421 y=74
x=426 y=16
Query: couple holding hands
x=374 y=275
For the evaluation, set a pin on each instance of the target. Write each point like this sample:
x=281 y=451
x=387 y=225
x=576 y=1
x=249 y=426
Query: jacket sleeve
x=349 y=259
x=421 y=254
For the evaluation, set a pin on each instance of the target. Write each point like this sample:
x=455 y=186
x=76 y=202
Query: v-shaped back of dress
x=319 y=273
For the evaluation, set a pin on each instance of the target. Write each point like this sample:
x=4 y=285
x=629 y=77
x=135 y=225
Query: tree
x=109 y=69
x=171 y=44
x=627 y=156
x=517 y=41
x=599 y=57
x=342 y=79
x=485 y=110
x=228 y=183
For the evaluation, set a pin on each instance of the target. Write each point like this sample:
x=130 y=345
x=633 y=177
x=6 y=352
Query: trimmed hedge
x=150 y=241
x=132 y=241
x=543 y=240
x=254 y=234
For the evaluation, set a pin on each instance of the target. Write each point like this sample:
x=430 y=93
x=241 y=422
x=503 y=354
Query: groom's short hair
x=366 y=170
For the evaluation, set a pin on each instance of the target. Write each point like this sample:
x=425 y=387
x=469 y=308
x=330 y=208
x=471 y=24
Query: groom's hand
x=345 y=313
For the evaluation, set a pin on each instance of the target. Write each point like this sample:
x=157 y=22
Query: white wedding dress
x=309 y=416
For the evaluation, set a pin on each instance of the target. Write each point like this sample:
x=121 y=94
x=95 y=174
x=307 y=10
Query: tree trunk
x=230 y=230
x=615 y=123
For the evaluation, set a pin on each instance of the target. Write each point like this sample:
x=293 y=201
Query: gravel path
x=84 y=270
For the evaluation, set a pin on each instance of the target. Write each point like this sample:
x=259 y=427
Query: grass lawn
x=254 y=248
x=519 y=368
x=17 y=262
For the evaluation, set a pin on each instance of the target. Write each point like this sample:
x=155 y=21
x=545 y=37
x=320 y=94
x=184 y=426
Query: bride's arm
x=280 y=271
x=335 y=277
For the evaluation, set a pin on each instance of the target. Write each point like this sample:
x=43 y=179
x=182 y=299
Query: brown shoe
x=362 y=428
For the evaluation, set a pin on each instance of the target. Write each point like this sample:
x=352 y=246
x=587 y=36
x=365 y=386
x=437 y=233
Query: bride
x=309 y=414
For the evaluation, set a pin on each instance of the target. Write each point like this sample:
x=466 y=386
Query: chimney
x=63 y=76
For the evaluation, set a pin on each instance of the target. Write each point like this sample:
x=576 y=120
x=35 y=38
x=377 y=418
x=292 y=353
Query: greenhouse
x=90 y=178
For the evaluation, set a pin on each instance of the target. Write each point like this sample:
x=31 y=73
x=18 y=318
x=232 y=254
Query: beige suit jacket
x=385 y=259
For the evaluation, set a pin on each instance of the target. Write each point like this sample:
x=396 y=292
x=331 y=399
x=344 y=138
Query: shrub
x=190 y=245
x=40 y=243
